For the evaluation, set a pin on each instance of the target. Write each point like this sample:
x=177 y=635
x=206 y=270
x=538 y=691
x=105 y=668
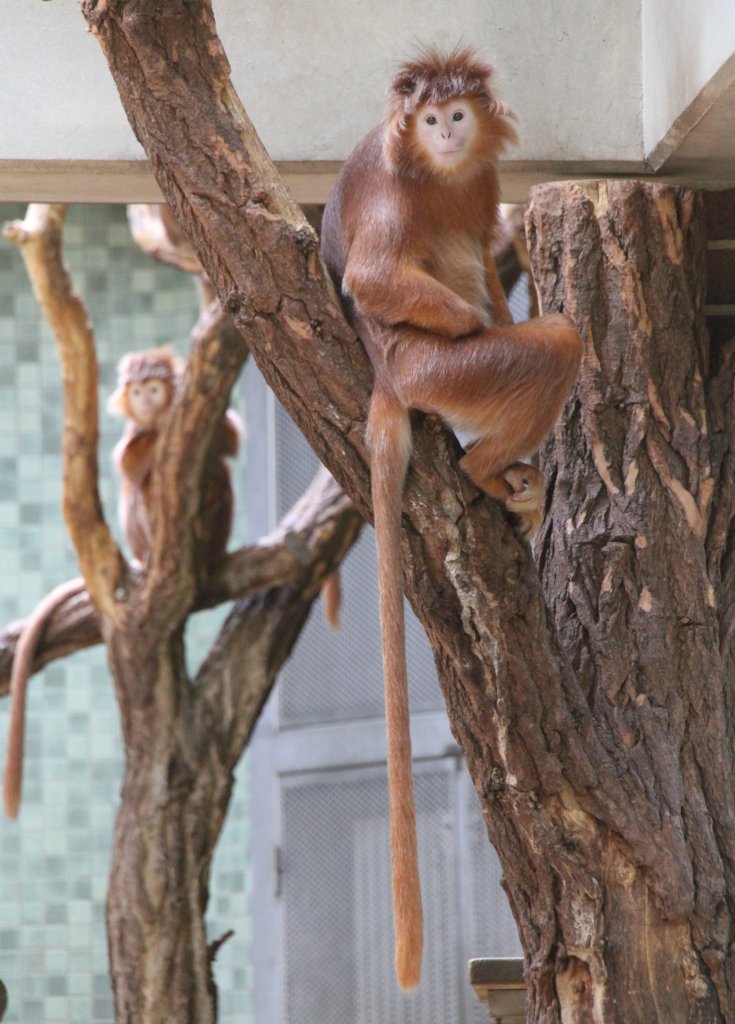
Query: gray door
x=320 y=848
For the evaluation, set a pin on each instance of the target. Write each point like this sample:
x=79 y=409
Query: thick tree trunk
x=170 y=815
x=636 y=561
x=183 y=740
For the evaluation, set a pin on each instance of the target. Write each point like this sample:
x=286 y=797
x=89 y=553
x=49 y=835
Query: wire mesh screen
x=519 y=300
x=336 y=675
x=336 y=890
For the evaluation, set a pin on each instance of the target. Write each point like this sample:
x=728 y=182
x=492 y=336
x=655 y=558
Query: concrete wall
x=319 y=84
x=687 y=56
x=313 y=74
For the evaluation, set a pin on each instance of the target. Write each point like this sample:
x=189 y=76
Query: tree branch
x=39 y=239
x=157 y=234
x=299 y=552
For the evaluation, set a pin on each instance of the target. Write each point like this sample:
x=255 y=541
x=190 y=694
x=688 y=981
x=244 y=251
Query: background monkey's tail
x=389 y=442
x=22 y=664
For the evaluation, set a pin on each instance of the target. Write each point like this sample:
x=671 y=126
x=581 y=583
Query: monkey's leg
x=506 y=386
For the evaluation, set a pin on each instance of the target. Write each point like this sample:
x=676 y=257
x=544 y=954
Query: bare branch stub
x=157 y=233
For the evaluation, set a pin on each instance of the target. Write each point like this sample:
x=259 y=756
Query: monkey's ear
x=117 y=402
x=502 y=120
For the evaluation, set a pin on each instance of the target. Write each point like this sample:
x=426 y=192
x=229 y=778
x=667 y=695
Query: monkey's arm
x=134 y=455
x=396 y=290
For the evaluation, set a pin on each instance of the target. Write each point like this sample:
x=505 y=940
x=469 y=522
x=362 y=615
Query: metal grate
x=339 y=931
x=519 y=300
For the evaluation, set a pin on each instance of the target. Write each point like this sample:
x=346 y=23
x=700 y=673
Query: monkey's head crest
x=433 y=77
x=159 y=363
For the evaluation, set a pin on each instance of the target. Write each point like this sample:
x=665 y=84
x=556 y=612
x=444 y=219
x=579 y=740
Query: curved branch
x=39 y=238
x=159 y=235
x=309 y=543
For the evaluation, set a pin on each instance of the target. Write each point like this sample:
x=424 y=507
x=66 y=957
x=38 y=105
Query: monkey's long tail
x=22 y=664
x=389 y=441
x=332 y=597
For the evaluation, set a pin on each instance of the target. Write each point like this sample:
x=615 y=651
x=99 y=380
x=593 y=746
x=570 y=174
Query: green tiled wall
x=54 y=860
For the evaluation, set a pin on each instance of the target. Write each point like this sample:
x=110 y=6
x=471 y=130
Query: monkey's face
x=147 y=401
x=447 y=131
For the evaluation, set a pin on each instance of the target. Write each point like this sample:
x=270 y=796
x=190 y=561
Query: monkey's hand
x=461 y=321
x=429 y=305
x=526 y=498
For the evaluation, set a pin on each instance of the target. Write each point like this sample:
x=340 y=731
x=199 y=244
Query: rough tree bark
x=598 y=733
x=183 y=738
x=637 y=562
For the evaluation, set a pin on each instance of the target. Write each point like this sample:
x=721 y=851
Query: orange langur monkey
x=146 y=384
x=406 y=236
x=145 y=389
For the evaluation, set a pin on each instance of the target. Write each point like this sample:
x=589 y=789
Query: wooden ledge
x=498 y=983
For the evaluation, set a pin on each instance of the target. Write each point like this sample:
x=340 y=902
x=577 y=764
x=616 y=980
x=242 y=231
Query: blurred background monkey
x=147 y=382
x=406 y=235
x=146 y=385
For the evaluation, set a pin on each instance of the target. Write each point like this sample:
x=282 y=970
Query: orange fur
x=22 y=665
x=135 y=451
x=407 y=238
x=332 y=597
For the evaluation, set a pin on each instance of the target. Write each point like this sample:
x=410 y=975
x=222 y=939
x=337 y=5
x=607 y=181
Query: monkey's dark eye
x=431 y=119
x=458 y=115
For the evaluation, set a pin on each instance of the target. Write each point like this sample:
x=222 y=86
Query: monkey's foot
x=521 y=489
x=526 y=499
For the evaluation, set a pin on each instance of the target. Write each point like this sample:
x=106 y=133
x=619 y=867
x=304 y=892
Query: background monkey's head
x=146 y=382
